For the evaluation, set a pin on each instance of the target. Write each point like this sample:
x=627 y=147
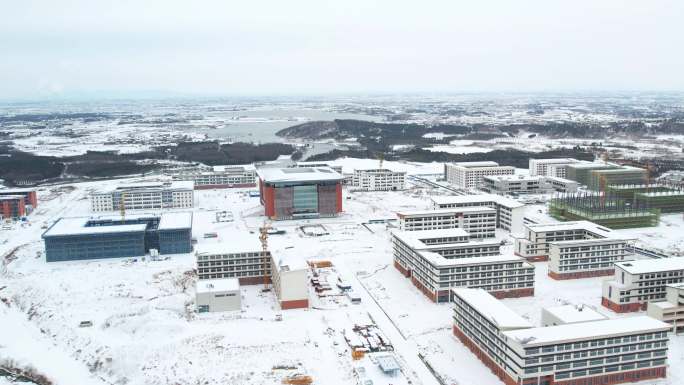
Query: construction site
x=603 y=209
x=667 y=199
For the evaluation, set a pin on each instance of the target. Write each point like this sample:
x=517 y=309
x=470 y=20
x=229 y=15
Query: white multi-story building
x=220 y=177
x=437 y=260
x=378 y=180
x=144 y=196
x=636 y=283
x=468 y=175
x=551 y=167
x=586 y=258
x=515 y=184
x=241 y=258
x=479 y=222
x=336 y=168
x=535 y=244
x=672 y=309
x=593 y=352
x=509 y=212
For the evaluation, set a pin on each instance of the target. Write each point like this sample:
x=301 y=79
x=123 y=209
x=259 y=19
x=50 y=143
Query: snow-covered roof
x=642 y=266
x=514 y=178
x=571 y=313
x=147 y=186
x=575 y=225
x=10 y=197
x=378 y=171
x=289 y=260
x=479 y=198
x=241 y=242
x=492 y=309
x=77 y=226
x=439 y=260
x=16 y=190
x=217 y=285
x=387 y=363
x=555 y=160
x=586 y=330
x=662 y=305
x=298 y=174
x=174 y=221
x=560 y=180
x=487 y=163
x=242 y=167
x=454 y=211
x=415 y=239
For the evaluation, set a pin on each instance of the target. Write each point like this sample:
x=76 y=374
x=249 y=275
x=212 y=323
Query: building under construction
x=598 y=175
x=665 y=198
x=604 y=209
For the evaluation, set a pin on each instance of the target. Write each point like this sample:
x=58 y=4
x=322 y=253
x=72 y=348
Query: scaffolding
x=668 y=199
x=604 y=209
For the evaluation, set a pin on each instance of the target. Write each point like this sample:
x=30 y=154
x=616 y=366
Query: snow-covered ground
x=146 y=331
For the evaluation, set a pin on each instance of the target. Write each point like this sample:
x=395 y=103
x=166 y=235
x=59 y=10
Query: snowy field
x=146 y=330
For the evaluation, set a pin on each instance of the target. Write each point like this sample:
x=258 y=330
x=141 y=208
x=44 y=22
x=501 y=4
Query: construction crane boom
x=263 y=237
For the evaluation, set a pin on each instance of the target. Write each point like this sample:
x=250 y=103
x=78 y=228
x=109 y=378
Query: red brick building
x=12 y=206
x=29 y=195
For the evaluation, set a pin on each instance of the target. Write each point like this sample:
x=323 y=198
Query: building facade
x=300 y=192
x=220 y=177
x=439 y=260
x=636 y=283
x=290 y=281
x=12 y=206
x=469 y=175
x=587 y=257
x=215 y=295
x=71 y=239
x=535 y=244
x=241 y=258
x=378 y=180
x=515 y=184
x=671 y=310
x=479 y=222
x=509 y=212
x=551 y=167
x=593 y=352
x=561 y=185
x=30 y=195
x=144 y=196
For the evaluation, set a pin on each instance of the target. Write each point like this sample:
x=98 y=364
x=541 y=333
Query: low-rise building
x=636 y=283
x=561 y=185
x=469 y=175
x=569 y=314
x=593 y=352
x=479 y=222
x=80 y=238
x=378 y=180
x=437 y=260
x=671 y=310
x=144 y=196
x=215 y=295
x=219 y=177
x=12 y=206
x=509 y=212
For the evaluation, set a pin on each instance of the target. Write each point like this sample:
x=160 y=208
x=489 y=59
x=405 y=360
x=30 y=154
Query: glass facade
x=305 y=199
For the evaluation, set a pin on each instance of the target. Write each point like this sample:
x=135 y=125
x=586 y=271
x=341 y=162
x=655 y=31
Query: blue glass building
x=71 y=239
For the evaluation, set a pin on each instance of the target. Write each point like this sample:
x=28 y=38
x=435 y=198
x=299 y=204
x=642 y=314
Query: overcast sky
x=282 y=47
